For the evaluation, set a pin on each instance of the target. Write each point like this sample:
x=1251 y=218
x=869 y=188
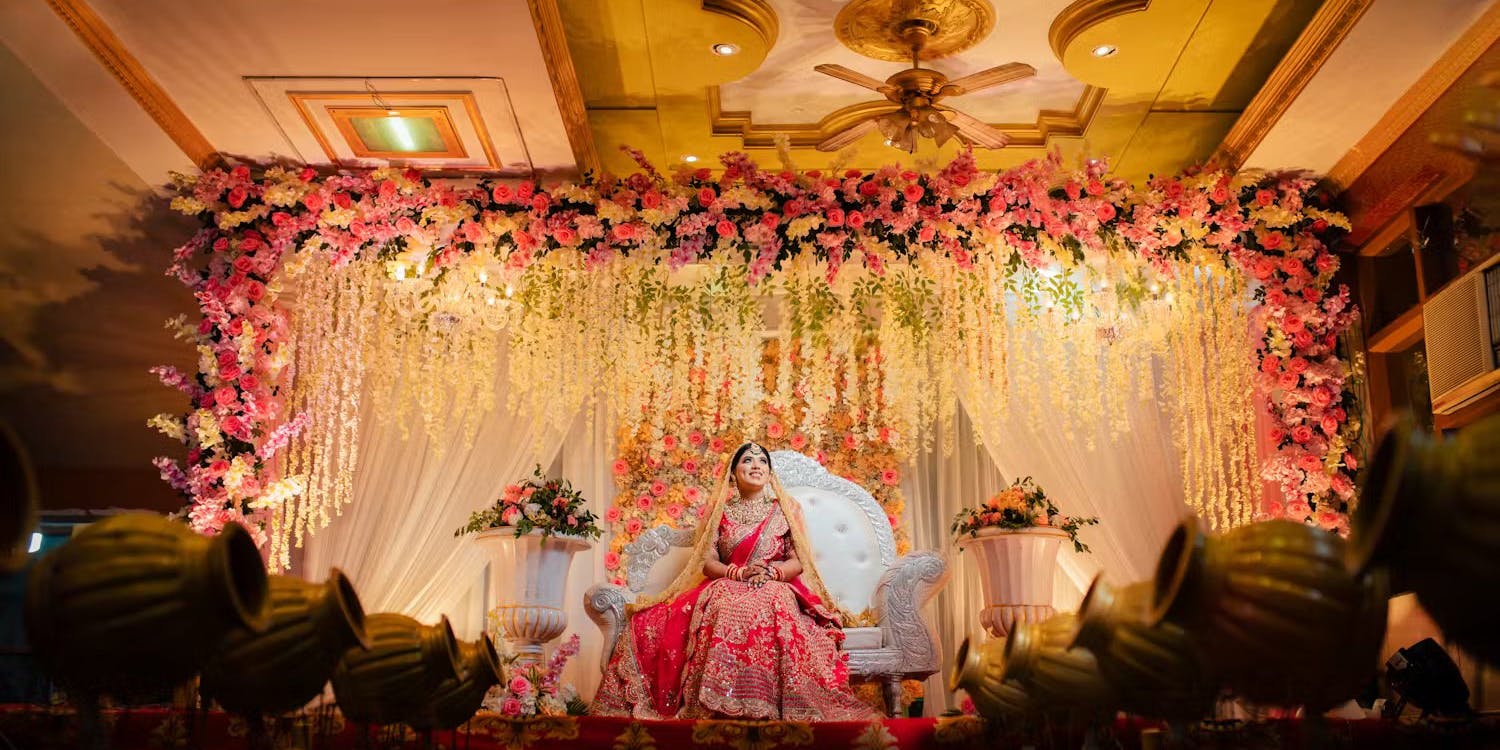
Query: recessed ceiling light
x=689 y=158
x=725 y=49
x=1105 y=50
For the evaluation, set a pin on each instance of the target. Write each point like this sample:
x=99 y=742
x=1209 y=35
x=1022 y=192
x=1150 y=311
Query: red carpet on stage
x=36 y=728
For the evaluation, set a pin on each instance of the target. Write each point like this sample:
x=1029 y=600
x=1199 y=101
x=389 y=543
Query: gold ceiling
x=1183 y=73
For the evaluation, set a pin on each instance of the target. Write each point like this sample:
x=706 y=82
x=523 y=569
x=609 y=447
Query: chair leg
x=893 y=695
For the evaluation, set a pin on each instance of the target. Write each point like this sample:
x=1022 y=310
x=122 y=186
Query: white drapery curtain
x=1133 y=483
x=395 y=540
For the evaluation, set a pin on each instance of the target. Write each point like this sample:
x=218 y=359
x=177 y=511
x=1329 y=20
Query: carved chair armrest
x=605 y=604
x=899 y=597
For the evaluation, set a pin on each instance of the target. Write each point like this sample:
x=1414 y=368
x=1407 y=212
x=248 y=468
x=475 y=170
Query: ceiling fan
x=914 y=95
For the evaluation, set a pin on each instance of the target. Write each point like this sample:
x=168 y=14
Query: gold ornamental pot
x=405 y=663
x=978 y=671
x=138 y=603
x=1429 y=512
x=18 y=511
x=1273 y=610
x=1155 y=669
x=1039 y=657
x=457 y=699
x=279 y=669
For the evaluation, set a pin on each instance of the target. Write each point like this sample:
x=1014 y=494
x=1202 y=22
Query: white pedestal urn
x=528 y=584
x=1016 y=567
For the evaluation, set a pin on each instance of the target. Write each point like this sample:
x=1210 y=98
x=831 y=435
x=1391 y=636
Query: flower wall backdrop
x=1041 y=289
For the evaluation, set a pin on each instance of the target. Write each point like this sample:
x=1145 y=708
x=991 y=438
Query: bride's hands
x=757 y=574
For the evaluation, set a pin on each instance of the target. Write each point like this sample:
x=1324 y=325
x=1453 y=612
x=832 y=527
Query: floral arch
x=822 y=310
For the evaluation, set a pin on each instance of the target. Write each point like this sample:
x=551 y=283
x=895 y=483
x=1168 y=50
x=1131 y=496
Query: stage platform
x=57 y=728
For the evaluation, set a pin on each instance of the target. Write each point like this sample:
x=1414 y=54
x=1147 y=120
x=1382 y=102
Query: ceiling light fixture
x=1105 y=50
x=689 y=158
x=725 y=49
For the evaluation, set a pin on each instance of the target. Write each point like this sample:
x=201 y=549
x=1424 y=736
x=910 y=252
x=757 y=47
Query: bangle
x=775 y=571
x=730 y=570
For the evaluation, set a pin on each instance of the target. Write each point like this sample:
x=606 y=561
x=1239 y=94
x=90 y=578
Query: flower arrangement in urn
x=537 y=503
x=535 y=689
x=1022 y=505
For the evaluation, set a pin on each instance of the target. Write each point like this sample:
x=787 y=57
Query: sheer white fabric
x=395 y=541
x=1133 y=484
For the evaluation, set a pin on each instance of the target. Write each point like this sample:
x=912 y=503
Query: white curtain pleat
x=937 y=488
x=395 y=540
x=586 y=460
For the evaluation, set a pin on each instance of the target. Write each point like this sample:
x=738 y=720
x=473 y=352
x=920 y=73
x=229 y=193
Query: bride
x=745 y=630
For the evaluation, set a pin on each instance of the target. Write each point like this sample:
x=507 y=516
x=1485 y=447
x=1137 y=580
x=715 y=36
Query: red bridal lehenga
x=724 y=648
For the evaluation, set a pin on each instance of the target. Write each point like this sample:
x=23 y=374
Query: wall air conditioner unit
x=1462 y=328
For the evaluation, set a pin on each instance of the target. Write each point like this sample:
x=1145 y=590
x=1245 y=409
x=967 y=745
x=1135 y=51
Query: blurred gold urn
x=398 y=673
x=1040 y=658
x=137 y=603
x=309 y=626
x=1274 y=611
x=1154 y=668
x=455 y=700
x=1429 y=512
x=18 y=511
x=978 y=671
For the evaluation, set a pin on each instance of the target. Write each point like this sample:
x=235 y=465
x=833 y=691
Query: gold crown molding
x=549 y=32
x=1085 y=14
x=1457 y=59
x=1313 y=47
x=757 y=14
x=100 y=40
x=1050 y=123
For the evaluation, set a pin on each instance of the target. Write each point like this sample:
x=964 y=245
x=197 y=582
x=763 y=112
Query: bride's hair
x=743 y=449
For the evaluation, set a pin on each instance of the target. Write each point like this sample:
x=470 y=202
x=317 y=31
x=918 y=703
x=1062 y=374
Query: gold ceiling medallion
x=889 y=29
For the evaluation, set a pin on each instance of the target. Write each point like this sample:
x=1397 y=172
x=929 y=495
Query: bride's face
x=752 y=472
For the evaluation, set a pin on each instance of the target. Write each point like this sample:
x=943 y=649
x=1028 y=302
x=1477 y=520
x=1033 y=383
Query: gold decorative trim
x=550 y=33
x=100 y=40
x=1459 y=57
x=889 y=29
x=1313 y=47
x=1050 y=123
x=757 y=14
x=1085 y=14
x=302 y=99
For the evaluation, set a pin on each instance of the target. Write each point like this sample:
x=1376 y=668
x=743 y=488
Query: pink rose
x=643 y=502
x=1270 y=365
x=658 y=488
x=691 y=495
x=1302 y=433
x=510 y=516
x=674 y=511
x=512 y=493
x=855 y=219
x=1298 y=509
x=775 y=431
x=890 y=477
x=633 y=526
x=1350 y=462
x=725 y=228
x=799 y=441
x=695 y=438
x=690 y=465
x=669 y=442
x=1329 y=424
x=237 y=197
x=1105 y=212
x=1322 y=395
x=1265 y=197
x=1341 y=485
x=1309 y=463
x=621 y=467
x=314 y=202
x=912 y=193
x=225 y=395
x=716 y=445
x=1298 y=365
x=850 y=442
x=612 y=515
x=611 y=560
x=511 y=707
x=1288 y=380
x=1275 y=509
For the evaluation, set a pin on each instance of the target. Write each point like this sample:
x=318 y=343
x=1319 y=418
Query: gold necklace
x=750 y=511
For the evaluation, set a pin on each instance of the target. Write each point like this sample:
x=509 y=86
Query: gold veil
x=707 y=537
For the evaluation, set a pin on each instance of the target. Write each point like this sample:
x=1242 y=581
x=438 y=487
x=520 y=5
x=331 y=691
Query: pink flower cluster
x=1268 y=227
x=536 y=690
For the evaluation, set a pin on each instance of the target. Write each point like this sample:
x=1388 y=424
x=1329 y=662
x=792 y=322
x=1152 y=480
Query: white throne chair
x=855 y=552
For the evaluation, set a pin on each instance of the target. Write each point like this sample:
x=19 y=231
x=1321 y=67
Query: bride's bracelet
x=775 y=571
x=730 y=570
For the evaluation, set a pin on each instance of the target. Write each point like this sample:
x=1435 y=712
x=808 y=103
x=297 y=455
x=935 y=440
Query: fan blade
x=847 y=136
x=981 y=134
x=853 y=76
x=987 y=78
